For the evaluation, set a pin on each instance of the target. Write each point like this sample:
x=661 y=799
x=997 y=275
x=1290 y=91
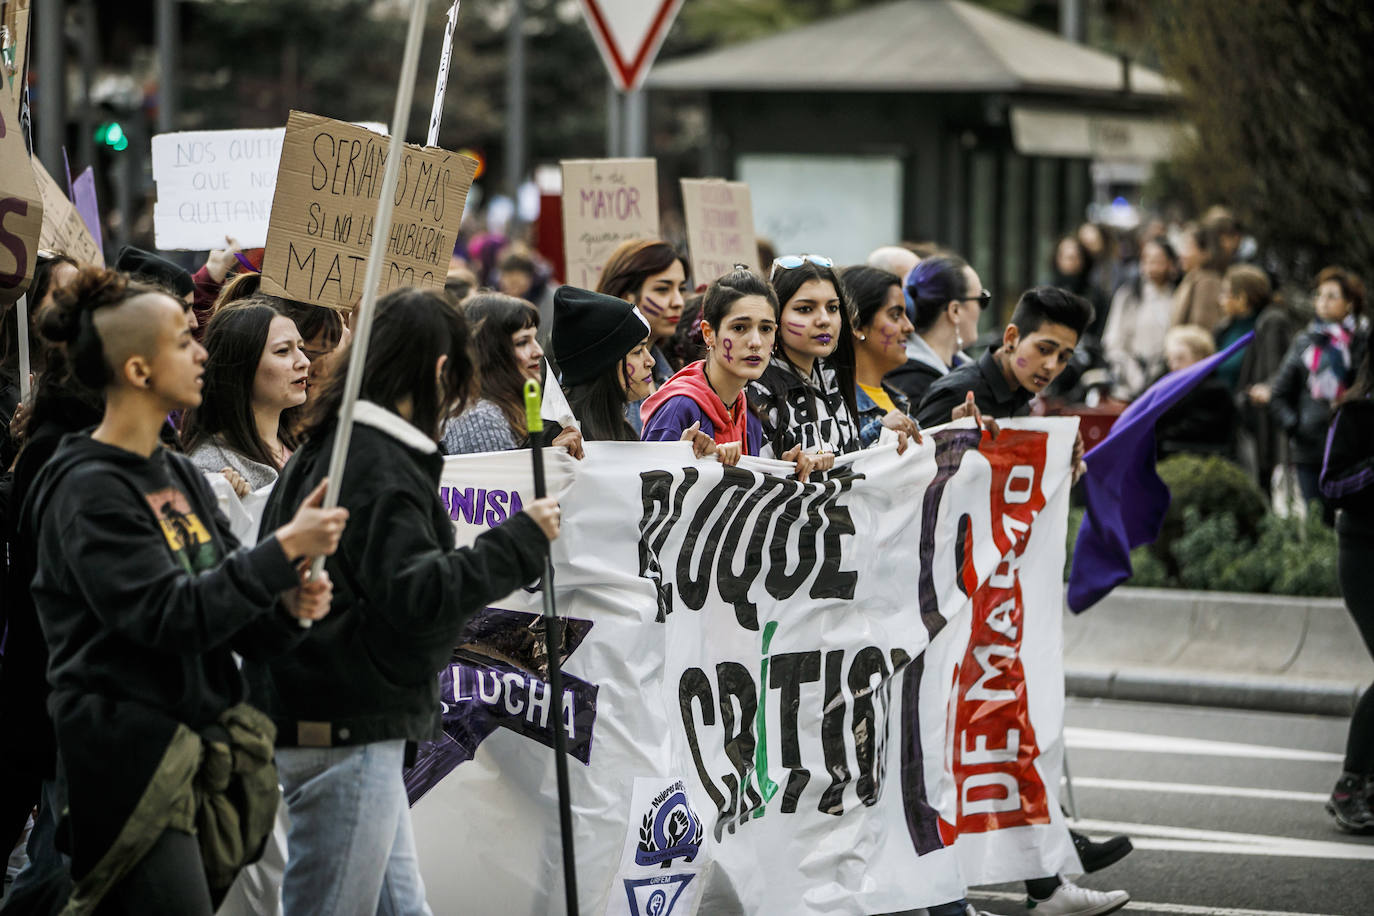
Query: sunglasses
x=983 y=299
x=793 y=261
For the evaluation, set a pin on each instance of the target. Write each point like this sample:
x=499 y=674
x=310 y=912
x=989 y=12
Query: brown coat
x=1198 y=299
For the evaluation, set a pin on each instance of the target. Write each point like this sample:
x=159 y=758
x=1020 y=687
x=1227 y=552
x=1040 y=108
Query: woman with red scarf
x=704 y=402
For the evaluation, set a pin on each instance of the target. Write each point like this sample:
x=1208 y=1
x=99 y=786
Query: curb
x=1163 y=686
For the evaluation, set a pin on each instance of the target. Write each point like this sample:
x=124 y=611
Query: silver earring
x=863 y=337
x=958 y=341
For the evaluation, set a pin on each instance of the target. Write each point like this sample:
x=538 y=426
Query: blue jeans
x=350 y=849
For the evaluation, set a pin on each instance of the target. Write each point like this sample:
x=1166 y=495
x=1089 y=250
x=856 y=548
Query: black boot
x=1097 y=856
x=1349 y=803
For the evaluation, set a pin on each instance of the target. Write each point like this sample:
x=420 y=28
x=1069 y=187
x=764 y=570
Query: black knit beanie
x=592 y=332
x=148 y=266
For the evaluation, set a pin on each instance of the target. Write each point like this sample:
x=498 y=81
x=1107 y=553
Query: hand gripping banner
x=842 y=696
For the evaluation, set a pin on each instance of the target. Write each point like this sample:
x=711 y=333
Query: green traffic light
x=111 y=133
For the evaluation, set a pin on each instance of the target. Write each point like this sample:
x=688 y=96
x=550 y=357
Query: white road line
x=1184 y=909
x=1188 y=788
x=1106 y=740
x=1221 y=841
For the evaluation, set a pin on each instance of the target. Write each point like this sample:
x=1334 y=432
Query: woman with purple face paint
x=805 y=398
x=650 y=275
x=880 y=331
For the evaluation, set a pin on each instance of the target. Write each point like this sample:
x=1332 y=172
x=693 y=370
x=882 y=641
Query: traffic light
x=111 y=133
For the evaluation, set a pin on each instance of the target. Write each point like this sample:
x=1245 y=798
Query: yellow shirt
x=879 y=397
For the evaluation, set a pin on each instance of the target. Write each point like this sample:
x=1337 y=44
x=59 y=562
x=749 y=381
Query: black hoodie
x=141 y=594
x=369 y=671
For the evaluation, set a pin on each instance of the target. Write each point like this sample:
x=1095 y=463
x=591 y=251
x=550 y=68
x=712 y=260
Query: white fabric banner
x=758 y=719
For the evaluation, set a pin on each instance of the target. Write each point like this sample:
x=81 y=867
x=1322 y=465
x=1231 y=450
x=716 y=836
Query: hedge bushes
x=1218 y=535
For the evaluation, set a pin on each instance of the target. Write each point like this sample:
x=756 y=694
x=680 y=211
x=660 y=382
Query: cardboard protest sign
x=605 y=202
x=325 y=205
x=63 y=229
x=16 y=51
x=720 y=227
x=212 y=184
x=21 y=209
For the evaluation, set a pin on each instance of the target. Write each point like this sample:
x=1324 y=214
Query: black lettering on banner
x=694 y=588
x=736 y=684
x=779 y=583
x=867 y=724
x=922 y=821
x=694 y=685
x=787 y=672
x=832 y=736
x=950 y=446
x=831 y=581
x=655 y=489
x=734 y=585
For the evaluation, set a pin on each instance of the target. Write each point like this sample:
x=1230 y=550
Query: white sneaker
x=971 y=910
x=1069 y=899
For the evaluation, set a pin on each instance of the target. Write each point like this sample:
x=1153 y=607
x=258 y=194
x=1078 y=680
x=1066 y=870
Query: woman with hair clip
x=880 y=332
x=945 y=299
x=651 y=275
x=255 y=376
x=1347 y=482
x=505 y=345
x=704 y=402
x=805 y=397
x=602 y=347
x=365 y=681
x=144 y=597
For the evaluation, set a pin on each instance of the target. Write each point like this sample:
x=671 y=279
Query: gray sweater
x=214 y=456
x=480 y=428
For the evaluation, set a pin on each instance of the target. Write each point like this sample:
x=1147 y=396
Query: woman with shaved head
x=143 y=595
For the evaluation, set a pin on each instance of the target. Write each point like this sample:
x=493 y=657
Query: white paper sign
x=213 y=183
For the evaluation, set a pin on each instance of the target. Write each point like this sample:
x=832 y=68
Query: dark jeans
x=43 y=885
x=168 y=881
x=1356 y=570
x=1311 y=490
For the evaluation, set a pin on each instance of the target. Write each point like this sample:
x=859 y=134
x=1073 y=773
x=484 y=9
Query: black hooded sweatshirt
x=142 y=594
x=369 y=671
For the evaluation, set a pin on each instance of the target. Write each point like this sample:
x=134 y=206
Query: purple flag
x=83 y=196
x=1126 y=500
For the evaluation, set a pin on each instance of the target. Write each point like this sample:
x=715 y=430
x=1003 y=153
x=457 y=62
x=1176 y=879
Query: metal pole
x=553 y=647
x=636 y=123
x=515 y=100
x=436 y=113
x=613 y=149
x=21 y=315
x=1071 y=22
x=52 y=83
x=362 y=328
x=167 y=65
x=86 y=138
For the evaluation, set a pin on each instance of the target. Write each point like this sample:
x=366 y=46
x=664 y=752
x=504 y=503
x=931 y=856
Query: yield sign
x=628 y=33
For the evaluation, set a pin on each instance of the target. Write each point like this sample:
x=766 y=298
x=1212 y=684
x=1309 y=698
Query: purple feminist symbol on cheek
x=726 y=345
x=890 y=340
x=652 y=307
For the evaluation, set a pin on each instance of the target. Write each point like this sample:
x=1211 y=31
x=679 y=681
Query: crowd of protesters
x=128 y=597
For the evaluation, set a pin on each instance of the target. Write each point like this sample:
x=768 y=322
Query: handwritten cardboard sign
x=720 y=227
x=212 y=184
x=605 y=202
x=325 y=207
x=21 y=209
x=63 y=228
x=17 y=21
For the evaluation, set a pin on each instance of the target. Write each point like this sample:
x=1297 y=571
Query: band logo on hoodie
x=187 y=537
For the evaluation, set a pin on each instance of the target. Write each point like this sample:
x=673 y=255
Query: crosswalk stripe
x=1183 y=909
x=1145 y=836
x=1099 y=739
x=1188 y=788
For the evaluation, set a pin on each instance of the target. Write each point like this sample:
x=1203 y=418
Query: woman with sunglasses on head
x=805 y=398
x=650 y=275
x=602 y=347
x=946 y=298
x=507 y=352
x=880 y=332
x=704 y=402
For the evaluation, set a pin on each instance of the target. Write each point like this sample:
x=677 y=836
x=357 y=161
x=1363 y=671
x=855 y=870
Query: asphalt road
x=1224 y=808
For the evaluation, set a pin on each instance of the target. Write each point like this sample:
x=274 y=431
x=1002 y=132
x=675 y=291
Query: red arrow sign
x=628 y=33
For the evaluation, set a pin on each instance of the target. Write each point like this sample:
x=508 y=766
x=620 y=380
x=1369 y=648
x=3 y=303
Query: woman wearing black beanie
x=602 y=346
